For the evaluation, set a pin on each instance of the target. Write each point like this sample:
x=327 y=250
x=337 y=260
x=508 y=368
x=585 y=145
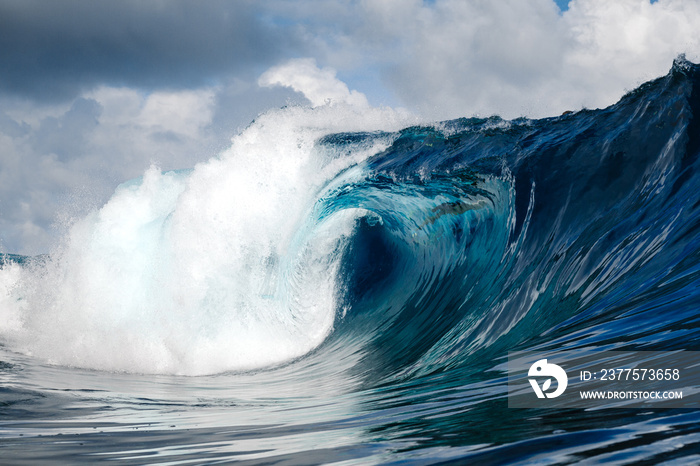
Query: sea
x=345 y=286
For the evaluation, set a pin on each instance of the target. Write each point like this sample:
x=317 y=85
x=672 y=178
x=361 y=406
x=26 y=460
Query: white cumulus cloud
x=319 y=85
x=517 y=58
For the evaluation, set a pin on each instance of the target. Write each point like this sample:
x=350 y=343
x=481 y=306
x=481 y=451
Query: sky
x=93 y=93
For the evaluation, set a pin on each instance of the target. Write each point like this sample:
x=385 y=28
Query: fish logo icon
x=541 y=369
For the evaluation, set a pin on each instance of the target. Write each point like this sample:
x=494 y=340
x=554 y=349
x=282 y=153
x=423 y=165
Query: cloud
x=526 y=58
x=445 y=58
x=319 y=86
x=55 y=50
x=464 y=58
x=628 y=41
x=65 y=136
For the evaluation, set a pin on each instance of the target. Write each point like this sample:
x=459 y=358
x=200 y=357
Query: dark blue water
x=466 y=240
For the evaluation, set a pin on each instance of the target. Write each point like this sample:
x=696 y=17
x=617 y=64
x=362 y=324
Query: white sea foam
x=222 y=267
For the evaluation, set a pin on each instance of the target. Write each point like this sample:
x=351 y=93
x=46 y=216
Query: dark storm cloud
x=52 y=50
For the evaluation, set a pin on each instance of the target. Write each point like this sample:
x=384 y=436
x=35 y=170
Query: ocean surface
x=343 y=286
